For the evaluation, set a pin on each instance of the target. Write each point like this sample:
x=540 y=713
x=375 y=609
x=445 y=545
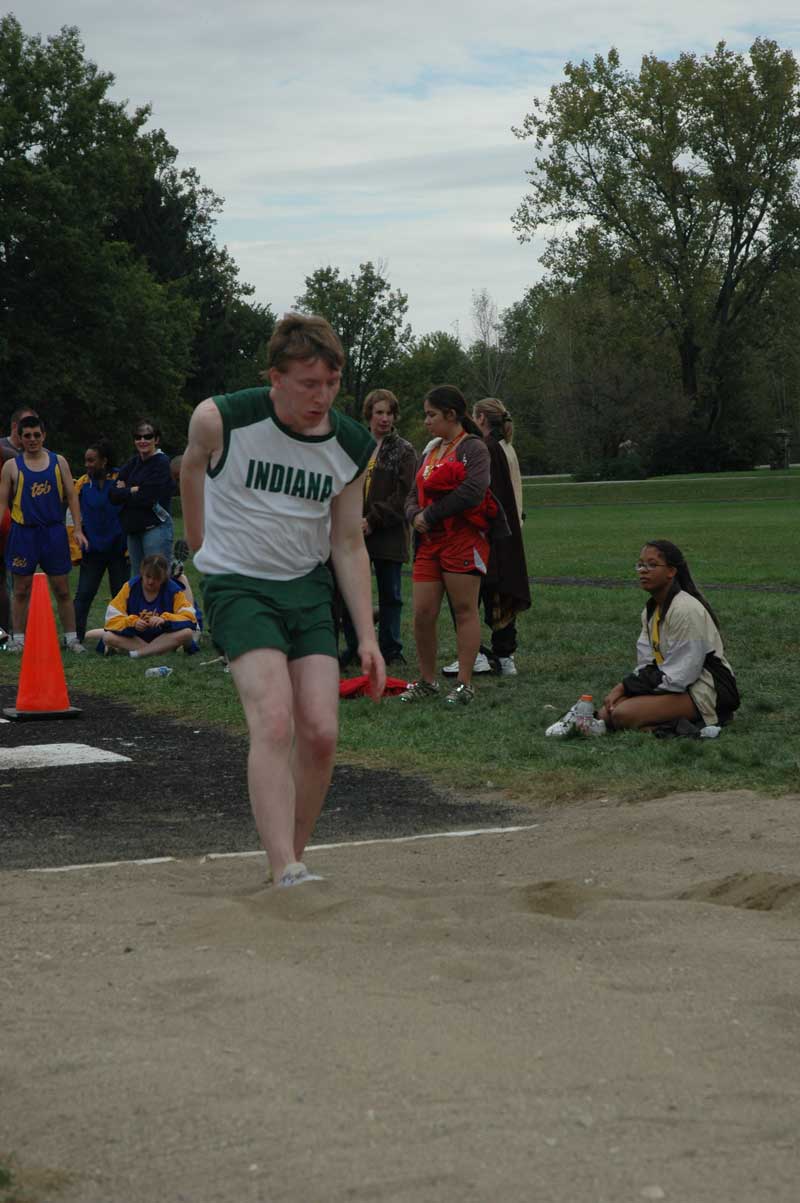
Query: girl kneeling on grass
x=682 y=683
x=150 y=615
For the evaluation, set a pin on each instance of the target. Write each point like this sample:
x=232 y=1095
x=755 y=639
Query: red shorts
x=463 y=551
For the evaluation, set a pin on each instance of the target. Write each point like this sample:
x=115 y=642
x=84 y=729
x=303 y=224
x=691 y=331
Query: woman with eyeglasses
x=682 y=683
x=144 y=492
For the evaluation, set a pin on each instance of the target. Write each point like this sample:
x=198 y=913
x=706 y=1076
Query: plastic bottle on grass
x=161 y=671
x=585 y=721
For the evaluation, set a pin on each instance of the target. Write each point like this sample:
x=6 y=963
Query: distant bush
x=696 y=450
x=617 y=467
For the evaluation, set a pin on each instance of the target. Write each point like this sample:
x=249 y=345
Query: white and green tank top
x=268 y=497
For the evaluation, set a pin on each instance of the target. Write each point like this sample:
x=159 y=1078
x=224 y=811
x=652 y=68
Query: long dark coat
x=507 y=579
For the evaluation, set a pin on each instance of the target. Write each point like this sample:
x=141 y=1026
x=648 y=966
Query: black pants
x=93 y=565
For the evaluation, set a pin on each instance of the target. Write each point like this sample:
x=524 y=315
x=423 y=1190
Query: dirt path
x=599 y=1010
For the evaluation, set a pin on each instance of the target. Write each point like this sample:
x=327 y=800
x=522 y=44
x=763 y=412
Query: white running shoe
x=75 y=646
x=481 y=665
x=14 y=645
x=296 y=874
x=507 y=666
x=565 y=724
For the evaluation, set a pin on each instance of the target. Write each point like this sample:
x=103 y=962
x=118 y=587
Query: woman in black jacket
x=144 y=492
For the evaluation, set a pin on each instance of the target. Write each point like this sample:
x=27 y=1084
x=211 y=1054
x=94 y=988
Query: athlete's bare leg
x=170 y=641
x=21 y=601
x=463 y=591
x=315 y=688
x=427 y=603
x=265 y=689
x=66 y=608
x=649 y=710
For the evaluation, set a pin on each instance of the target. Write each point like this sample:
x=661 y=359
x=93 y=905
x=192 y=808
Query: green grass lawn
x=736 y=530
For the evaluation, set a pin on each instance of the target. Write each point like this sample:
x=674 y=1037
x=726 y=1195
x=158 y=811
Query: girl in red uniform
x=450 y=524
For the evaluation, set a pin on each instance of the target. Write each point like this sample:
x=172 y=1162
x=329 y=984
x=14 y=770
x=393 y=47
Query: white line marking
x=47 y=756
x=104 y=864
x=400 y=839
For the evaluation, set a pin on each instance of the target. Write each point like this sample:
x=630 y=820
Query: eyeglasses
x=144 y=438
x=642 y=566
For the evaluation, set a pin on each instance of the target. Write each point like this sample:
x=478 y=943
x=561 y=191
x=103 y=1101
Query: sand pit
x=602 y=1009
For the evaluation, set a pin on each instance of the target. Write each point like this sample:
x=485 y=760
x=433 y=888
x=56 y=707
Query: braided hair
x=674 y=557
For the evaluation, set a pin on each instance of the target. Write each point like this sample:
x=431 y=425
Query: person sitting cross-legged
x=150 y=615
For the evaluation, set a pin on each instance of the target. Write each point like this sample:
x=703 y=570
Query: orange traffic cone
x=42 y=688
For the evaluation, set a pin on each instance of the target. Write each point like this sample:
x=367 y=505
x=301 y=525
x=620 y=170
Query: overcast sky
x=342 y=132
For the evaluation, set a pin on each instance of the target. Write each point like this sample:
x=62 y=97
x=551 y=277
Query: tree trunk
x=689 y=352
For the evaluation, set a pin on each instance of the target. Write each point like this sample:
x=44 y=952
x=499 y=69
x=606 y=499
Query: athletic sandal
x=296 y=874
x=462 y=695
x=419 y=691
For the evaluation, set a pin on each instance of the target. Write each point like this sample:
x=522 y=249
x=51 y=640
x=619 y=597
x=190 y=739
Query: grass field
x=738 y=530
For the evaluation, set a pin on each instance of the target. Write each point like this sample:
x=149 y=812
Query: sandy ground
x=602 y=1009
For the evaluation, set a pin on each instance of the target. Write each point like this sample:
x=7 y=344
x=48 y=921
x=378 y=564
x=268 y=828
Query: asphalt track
x=184 y=794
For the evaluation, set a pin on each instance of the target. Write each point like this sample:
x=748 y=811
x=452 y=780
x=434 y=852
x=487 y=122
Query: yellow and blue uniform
x=170 y=603
x=38 y=536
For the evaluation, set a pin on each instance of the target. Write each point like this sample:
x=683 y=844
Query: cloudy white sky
x=355 y=130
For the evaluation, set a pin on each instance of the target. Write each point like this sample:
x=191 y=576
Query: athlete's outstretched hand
x=372 y=664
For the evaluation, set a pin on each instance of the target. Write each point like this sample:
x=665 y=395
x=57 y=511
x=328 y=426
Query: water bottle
x=585 y=722
x=161 y=671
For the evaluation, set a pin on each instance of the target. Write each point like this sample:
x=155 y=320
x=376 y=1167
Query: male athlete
x=271 y=486
x=35 y=486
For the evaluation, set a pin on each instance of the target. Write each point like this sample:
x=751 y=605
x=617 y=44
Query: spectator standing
x=143 y=491
x=387 y=480
x=106 y=544
x=451 y=525
x=505 y=590
x=36 y=485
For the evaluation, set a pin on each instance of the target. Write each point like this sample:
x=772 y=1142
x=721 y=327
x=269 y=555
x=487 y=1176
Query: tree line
x=660 y=338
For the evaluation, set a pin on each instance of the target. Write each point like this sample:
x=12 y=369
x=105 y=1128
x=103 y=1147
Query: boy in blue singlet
x=36 y=485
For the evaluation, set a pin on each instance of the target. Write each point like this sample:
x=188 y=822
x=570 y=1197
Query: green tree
x=688 y=170
x=114 y=296
x=369 y=318
x=435 y=358
x=171 y=224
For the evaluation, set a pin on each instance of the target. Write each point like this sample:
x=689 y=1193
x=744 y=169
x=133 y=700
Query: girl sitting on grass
x=150 y=615
x=682 y=683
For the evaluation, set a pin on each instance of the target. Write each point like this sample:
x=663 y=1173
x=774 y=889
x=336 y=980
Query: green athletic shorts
x=294 y=617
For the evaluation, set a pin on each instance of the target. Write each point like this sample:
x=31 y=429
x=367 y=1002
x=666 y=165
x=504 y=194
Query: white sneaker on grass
x=481 y=665
x=564 y=725
x=507 y=666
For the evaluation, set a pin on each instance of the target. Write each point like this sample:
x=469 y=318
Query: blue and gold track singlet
x=38 y=496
